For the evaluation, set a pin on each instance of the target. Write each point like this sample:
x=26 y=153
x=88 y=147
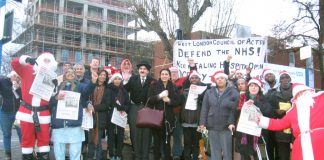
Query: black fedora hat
x=144 y=63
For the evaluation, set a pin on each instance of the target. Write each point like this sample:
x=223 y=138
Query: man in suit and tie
x=138 y=86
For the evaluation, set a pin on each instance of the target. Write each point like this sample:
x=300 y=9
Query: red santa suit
x=29 y=134
x=307 y=123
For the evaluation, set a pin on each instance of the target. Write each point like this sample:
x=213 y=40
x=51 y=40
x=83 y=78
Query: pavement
x=16 y=150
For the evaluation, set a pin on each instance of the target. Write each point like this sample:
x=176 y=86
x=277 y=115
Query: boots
x=43 y=156
x=8 y=156
x=28 y=156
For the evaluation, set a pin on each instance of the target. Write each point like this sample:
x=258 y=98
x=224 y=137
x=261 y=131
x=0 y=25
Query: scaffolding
x=76 y=31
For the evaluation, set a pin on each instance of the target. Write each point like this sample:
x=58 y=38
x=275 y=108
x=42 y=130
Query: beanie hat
x=218 y=74
x=114 y=76
x=267 y=71
x=283 y=72
x=256 y=81
x=298 y=87
x=194 y=72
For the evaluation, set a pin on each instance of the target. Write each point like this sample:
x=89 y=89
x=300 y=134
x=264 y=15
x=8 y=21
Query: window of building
x=292 y=59
x=65 y=55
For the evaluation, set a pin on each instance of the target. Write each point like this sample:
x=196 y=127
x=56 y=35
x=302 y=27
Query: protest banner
x=209 y=54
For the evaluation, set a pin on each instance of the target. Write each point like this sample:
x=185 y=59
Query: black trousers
x=161 y=142
x=283 y=150
x=115 y=140
x=191 y=143
x=140 y=137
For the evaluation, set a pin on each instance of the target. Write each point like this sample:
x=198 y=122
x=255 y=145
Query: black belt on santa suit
x=35 y=115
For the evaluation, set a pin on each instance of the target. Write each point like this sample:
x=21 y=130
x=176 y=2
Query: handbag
x=149 y=117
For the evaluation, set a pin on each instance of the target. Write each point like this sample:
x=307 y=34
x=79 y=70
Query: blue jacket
x=10 y=103
x=218 y=111
x=86 y=89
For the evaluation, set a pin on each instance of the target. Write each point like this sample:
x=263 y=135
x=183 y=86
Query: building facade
x=78 y=30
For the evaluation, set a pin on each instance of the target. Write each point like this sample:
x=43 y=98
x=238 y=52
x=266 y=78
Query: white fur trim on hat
x=298 y=88
x=220 y=74
x=256 y=81
x=115 y=75
x=173 y=69
x=12 y=73
x=283 y=72
x=267 y=71
x=195 y=73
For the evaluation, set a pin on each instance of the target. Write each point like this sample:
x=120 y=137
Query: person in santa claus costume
x=33 y=113
x=305 y=117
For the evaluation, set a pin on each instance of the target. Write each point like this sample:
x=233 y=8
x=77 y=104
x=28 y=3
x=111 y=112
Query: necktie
x=143 y=80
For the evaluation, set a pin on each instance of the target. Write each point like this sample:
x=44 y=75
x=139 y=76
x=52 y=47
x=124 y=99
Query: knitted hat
x=194 y=72
x=283 y=72
x=114 y=76
x=298 y=87
x=267 y=71
x=256 y=81
x=218 y=74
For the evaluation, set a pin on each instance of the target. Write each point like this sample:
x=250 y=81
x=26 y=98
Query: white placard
x=247 y=121
x=209 y=54
x=68 y=108
x=305 y=52
x=119 y=118
x=43 y=86
x=194 y=91
x=87 y=120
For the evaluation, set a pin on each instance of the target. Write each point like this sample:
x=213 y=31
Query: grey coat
x=218 y=111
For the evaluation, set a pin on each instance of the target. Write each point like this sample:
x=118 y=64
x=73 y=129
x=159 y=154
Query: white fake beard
x=50 y=67
x=305 y=99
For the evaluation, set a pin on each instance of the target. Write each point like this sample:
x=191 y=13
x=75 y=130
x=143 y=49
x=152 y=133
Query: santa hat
x=239 y=71
x=218 y=74
x=256 y=81
x=173 y=69
x=283 y=72
x=110 y=69
x=194 y=72
x=114 y=76
x=298 y=87
x=267 y=71
x=12 y=73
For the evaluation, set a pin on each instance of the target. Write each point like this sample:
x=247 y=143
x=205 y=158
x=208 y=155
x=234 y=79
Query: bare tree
x=165 y=16
x=306 y=27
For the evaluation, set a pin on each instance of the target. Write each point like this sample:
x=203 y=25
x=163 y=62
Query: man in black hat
x=138 y=86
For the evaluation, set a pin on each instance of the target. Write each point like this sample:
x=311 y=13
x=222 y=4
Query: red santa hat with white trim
x=267 y=71
x=218 y=74
x=110 y=69
x=299 y=87
x=284 y=72
x=256 y=81
x=115 y=75
x=173 y=69
x=193 y=73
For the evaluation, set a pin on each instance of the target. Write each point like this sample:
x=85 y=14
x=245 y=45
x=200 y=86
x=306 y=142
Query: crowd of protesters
x=105 y=90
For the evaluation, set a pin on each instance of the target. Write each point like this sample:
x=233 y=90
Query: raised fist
x=54 y=81
x=31 y=61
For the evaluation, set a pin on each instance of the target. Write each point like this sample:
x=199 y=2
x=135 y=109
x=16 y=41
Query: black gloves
x=54 y=81
x=31 y=61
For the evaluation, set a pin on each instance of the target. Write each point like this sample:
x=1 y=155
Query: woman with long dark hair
x=117 y=98
x=100 y=116
x=246 y=144
x=163 y=97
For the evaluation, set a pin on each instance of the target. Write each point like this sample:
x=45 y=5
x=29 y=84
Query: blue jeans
x=74 y=150
x=92 y=148
x=177 y=138
x=6 y=121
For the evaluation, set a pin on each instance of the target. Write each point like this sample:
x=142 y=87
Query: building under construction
x=77 y=30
